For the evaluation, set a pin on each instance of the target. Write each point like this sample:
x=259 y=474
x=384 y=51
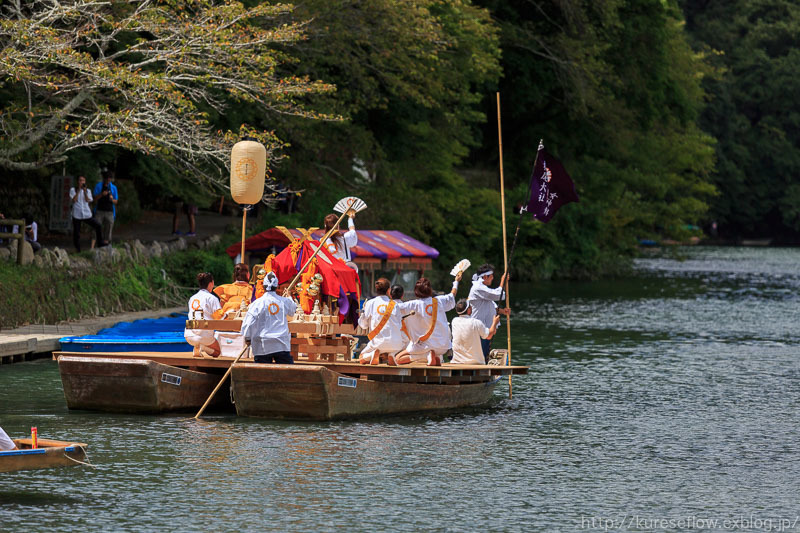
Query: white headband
x=476 y=277
x=270 y=281
x=464 y=312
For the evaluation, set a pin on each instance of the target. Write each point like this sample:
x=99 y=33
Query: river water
x=665 y=401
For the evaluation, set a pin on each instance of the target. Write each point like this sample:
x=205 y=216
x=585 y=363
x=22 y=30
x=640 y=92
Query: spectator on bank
x=190 y=210
x=105 y=211
x=3 y=227
x=81 y=198
x=32 y=232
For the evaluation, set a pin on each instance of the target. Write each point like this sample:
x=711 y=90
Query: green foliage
x=409 y=77
x=613 y=89
x=35 y=295
x=183 y=266
x=128 y=207
x=754 y=112
x=151 y=78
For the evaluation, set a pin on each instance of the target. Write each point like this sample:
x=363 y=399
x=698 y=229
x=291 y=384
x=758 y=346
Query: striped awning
x=373 y=246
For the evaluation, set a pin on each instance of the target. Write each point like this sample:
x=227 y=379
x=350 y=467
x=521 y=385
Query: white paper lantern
x=248 y=170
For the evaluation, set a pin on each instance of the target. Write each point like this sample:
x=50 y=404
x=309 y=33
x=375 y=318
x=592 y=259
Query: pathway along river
x=672 y=395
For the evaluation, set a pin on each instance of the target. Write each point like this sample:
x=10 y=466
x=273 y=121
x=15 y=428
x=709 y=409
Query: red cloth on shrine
x=339 y=280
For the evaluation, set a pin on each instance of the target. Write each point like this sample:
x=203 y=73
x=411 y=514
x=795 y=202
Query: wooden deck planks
x=343 y=367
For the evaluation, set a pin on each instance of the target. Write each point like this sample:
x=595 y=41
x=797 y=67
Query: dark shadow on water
x=23 y=497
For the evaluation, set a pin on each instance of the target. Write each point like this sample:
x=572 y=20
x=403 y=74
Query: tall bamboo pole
x=244 y=221
x=505 y=243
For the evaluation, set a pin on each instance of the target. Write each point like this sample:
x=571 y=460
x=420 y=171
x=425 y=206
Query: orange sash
x=434 y=315
x=372 y=334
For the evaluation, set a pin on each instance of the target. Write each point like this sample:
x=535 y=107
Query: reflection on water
x=671 y=394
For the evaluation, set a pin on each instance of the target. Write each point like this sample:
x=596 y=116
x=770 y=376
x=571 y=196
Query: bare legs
x=368 y=360
x=375 y=359
x=403 y=358
x=210 y=350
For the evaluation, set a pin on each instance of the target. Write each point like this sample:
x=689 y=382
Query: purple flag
x=551 y=187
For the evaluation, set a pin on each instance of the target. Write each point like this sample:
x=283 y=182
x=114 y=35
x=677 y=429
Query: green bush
x=47 y=296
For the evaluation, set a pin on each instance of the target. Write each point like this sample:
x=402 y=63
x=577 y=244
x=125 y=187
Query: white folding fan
x=351 y=202
x=461 y=266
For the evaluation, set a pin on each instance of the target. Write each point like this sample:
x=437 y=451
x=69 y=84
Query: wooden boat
x=324 y=383
x=137 y=384
x=48 y=454
x=332 y=391
x=321 y=390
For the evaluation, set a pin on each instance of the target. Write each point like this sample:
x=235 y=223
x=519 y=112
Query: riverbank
x=39 y=340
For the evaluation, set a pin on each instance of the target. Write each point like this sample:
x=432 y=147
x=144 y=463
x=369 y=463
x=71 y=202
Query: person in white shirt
x=428 y=327
x=6 y=444
x=32 y=232
x=383 y=318
x=82 y=213
x=396 y=294
x=339 y=245
x=482 y=300
x=467 y=335
x=202 y=306
x=266 y=325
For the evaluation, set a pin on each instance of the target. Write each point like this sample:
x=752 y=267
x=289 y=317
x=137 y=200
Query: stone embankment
x=126 y=251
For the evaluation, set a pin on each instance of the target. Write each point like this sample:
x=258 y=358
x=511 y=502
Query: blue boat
x=149 y=334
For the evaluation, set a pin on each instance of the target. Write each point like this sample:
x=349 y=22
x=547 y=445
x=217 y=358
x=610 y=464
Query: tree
x=147 y=76
x=753 y=112
x=613 y=88
x=410 y=77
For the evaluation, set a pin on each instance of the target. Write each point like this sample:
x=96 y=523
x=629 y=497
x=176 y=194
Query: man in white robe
x=382 y=317
x=339 y=245
x=467 y=335
x=6 y=444
x=202 y=306
x=428 y=327
x=482 y=300
x=265 y=327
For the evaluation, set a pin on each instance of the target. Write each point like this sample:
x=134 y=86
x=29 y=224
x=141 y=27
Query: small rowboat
x=48 y=454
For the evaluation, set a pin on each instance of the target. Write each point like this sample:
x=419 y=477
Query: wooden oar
x=200 y=412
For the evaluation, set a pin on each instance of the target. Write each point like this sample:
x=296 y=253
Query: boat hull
x=49 y=454
x=318 y=393
x=136 y=386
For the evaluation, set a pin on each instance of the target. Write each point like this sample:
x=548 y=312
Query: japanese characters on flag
x=551 y=187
